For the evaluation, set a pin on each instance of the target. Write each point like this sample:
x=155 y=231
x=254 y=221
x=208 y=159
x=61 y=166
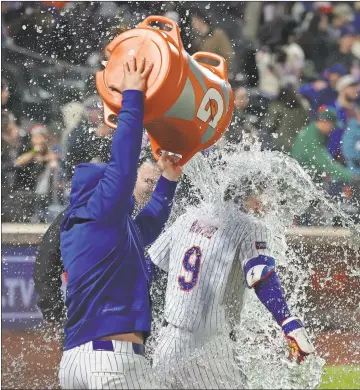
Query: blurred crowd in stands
x=294 y=67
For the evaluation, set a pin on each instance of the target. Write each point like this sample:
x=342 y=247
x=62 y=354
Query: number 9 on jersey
x=191 y=269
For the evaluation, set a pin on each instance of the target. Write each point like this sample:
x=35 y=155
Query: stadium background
x=50 y=52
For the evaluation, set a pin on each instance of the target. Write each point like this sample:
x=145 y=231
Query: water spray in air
x=261 y=349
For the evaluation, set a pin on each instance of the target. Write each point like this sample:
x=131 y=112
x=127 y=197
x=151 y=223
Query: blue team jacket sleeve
x=114 y=191
x=152 y=218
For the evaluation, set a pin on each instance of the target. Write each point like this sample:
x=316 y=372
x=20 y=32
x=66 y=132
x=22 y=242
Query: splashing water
x=289 y=190
x=260 y=344
x=262 y=353
x=261 y=350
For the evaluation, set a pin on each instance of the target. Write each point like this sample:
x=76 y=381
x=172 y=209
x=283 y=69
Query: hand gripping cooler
x=188 y=103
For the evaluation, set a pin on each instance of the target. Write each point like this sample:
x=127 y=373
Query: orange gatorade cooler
x=188 y=103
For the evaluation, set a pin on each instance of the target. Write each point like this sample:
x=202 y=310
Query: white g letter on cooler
x=204 y=114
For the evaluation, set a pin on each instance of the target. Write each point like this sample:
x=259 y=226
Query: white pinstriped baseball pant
x=85 y=368
x=184 y=360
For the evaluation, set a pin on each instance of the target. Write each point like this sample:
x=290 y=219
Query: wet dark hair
x=231 y=193
x=239 y=192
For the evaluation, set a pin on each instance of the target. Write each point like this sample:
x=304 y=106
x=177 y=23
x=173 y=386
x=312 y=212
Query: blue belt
x=107 y=345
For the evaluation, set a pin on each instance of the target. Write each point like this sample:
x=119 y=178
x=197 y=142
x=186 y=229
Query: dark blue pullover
x=102 y=247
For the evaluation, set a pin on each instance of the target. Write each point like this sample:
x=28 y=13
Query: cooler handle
x=220 y=69
x=174 y=33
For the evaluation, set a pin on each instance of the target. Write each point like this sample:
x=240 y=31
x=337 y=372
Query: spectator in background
x=279 y=68
x=281 y=60
x=31 y=164
x=82 y=141
x=30 y=172
x=210 y=38
x=310 y=150
x=10 y=95
x=323 y=92
x=356 y=24
x=245 y=127
x=356 y=21
x=103 y=136
x=286 y=117
x=241 y=102
x=295 y=57
x=355 y=50
x=10 y=141
x=315 y=41
x=178 y=12
x=348 y=88
x=72 y=113
x=50 y=191
x=38 y=173
x=4 y=94
x=343 y=54
x=10 y=150
x=342 y=15
x=351 y=144
x=269 y=75
x=9 y=117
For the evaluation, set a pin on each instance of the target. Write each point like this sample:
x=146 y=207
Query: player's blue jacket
x=102 y=247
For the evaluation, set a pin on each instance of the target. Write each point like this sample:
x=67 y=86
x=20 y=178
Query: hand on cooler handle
x=169 y=166
x=298 y=339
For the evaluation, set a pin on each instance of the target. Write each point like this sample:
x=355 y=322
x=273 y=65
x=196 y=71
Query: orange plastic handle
x=174 y=33
x=220 y=69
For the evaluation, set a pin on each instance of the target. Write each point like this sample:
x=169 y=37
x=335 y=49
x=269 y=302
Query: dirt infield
x=30 y=362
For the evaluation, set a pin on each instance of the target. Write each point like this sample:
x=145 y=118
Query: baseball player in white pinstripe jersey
x=211 y=256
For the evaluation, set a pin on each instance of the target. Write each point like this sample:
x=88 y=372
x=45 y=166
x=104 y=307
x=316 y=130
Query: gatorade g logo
x=211 y=107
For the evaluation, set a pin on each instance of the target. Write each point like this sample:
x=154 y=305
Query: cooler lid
x=153 y=44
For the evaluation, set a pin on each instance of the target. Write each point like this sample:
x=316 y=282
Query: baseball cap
x=337 y=68
x=347 y=30
x=329 y=115
x=346 y=81
x=324 y=7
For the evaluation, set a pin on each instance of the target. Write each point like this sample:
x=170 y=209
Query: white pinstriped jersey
x=204 y=263
x=83 y=367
